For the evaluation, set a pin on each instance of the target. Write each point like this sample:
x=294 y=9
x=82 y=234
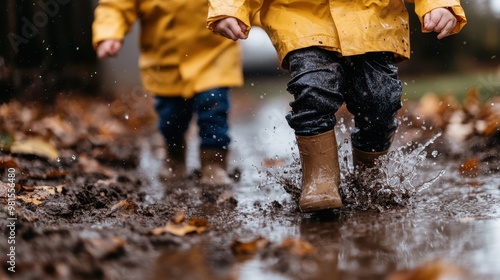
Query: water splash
x=394 y=181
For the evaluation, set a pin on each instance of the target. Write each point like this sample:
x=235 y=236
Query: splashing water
x=393 y=181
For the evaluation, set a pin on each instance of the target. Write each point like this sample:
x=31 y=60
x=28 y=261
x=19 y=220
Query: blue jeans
x=211 y=108
x=368 y=84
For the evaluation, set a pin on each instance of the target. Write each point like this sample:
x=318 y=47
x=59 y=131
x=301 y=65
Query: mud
x=103 y=201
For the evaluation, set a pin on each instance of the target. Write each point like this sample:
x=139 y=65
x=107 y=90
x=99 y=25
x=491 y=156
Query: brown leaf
x=200 y=224
x=50 y=175
x=56 y=174
x=492 y=127
x=8 y=162
x=469 y=168
x=35 y=146
x=179 y=217
x=472 y=102
x=297 y=247
x=37 y=195
x=62 y=129
x=102 y=248
x=244 y=248
x=126 y=206
x=90 y=165
x=430 y=108
x=435 y=270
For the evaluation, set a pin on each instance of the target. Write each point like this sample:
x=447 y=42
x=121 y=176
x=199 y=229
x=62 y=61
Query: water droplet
x=58 y=159
x=435 y=153
x=126 y=116
x=73 y=157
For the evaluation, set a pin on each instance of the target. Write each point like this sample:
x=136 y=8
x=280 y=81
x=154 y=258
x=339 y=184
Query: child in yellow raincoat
x=337 y=51
x=188 y=69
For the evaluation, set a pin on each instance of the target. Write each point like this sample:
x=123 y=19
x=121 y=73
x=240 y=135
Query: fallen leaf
x=36 y=195
x=62 y=129
x=472 y=102
x=244 y=248
x=90 y=165
x=469 y=168
x=102 y=248
x=126 y=206
x=179 y=217
x=50 y=175
x=193 y=225
x=55 y=174
x=297 y=247
x=435 y=270
x=35 y=146
x=429 y=107
x=8 y=162
x=200 y=224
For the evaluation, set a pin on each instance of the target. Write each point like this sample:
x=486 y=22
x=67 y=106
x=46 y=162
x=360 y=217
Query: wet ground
x=98 y=210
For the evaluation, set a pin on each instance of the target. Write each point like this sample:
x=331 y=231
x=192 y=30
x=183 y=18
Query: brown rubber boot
x=320 y=172
x=174 y=168
x=362 y=159
x=214 y=167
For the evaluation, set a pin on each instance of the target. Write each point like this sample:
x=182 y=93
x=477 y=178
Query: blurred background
x=45 y=52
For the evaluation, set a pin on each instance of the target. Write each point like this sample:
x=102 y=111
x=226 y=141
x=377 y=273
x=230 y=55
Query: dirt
x=98 y=210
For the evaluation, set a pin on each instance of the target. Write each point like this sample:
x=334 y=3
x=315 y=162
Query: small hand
x=440 y=20
x=109 y=47
x=231 y=28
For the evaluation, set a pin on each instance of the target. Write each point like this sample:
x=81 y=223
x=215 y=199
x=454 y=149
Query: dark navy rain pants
x=368 y=84
x=211 y=108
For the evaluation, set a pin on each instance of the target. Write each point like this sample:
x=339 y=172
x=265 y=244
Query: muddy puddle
x=434 y=214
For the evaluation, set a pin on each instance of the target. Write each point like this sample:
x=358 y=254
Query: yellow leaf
x=193 y=225
x=35 y=146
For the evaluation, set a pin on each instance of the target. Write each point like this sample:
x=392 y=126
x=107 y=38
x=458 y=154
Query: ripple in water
x=394 y=181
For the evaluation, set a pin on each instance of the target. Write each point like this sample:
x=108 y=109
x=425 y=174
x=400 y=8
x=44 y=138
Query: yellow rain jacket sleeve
x=346 y=26
x=179 y=56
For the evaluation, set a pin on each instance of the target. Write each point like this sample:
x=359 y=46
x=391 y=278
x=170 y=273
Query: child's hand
x=108 y=48
x=231 y=28
x=440 y=20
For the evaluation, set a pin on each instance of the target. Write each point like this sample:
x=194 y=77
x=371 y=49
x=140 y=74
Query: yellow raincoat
x=178 y=56
x=350 y=27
